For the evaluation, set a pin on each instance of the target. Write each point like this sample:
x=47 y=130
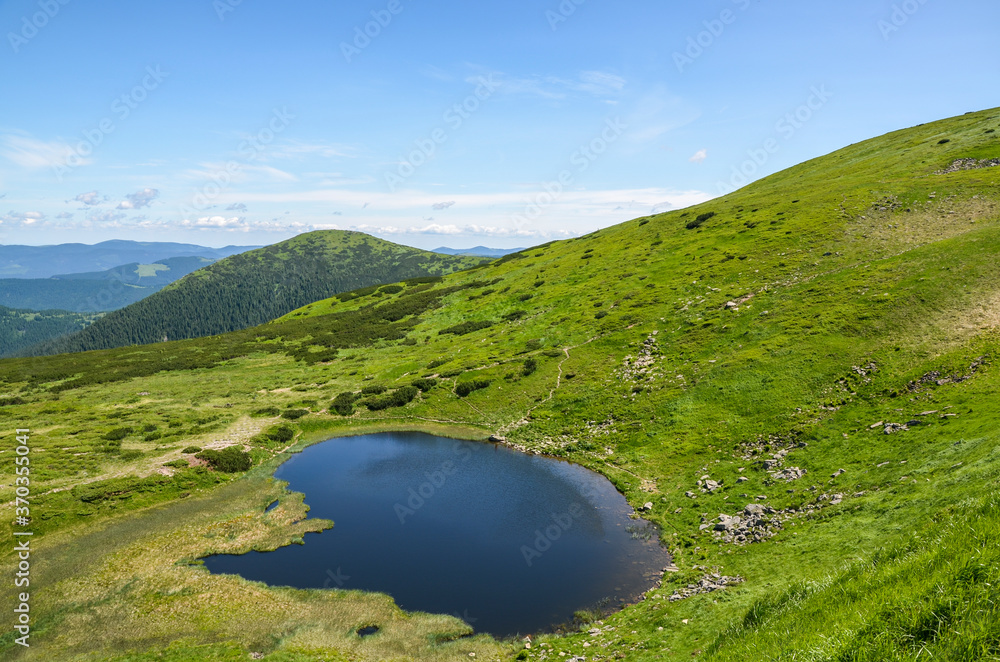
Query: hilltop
x=253 y=287
x=798 y=378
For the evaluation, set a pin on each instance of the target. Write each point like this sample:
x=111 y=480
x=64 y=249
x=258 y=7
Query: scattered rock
x=789 y=474
x=497 y=439
x=646 y=507
x=892 y=428
x=689 y=495
x=707 y=584
x=838 y=472
x=969 y=164
x=742 y=479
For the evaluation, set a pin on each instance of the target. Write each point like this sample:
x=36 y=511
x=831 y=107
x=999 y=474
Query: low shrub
x=229 y=460
x=697 y=222
x=117 y=434
x=530 y=365
x=266 y=412
x=343 y=404
x=424 y=384
x=374 y=389
x=465 y=388
x=191 y=450
x=294 y=414
x=400 y=397
x=466 y=327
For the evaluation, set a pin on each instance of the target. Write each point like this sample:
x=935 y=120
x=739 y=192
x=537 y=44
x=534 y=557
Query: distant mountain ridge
x=97 y=291
x=477 y=251
x=257 y=286
x=18 y=261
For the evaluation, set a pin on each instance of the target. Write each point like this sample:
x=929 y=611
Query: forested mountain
x=23 y=328
x=251 y=288
x=95 y=291
x=47 y=261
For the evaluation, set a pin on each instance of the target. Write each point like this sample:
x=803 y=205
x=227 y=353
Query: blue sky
x=449 y=123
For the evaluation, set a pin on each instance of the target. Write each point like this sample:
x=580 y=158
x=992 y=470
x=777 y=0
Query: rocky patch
x=707 y=584
x=969 y=164
x=641 y=367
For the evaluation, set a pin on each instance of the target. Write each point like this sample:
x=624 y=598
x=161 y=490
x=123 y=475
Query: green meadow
x=821 y=343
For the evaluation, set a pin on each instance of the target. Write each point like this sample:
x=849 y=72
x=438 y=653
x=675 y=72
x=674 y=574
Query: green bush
x=374 y=389
x=152 y=436
x=191 y=450
x=229 y=460
x=515 y=315
x=530 y=365
x=391 y=289
x=266 y=412
x=466 y=327
x=117 y=434
x=294 y=414
x=697 y=222
x=424 y=384
x=177 y=464
x=435 y=363
x=465 y=388
x=130 y=454
x=398 y=398
x=343 y=404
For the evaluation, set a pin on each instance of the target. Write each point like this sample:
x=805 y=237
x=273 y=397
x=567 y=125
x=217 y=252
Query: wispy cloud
x=297 y=149
x=699 y=156
x=443 y=205
x=34 y=154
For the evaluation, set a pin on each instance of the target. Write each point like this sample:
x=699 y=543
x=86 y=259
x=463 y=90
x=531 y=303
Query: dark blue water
x=508 y=542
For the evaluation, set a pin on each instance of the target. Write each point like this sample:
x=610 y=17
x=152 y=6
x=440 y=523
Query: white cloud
x=90 y=199
x=139 y=199
x=237 y=206
x=443 y=205
x=699 y=156
x=22 y=219
x=35 y=154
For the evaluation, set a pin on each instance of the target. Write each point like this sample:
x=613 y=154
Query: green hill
x=814 y=354
x=95 y=291
x=22 y=328
x=250 y=288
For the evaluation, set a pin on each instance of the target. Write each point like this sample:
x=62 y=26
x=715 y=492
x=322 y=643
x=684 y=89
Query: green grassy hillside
x=251 y=288
x=813 y=354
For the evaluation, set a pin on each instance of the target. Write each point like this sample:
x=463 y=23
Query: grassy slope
x=253 y=287
x=868 y=272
